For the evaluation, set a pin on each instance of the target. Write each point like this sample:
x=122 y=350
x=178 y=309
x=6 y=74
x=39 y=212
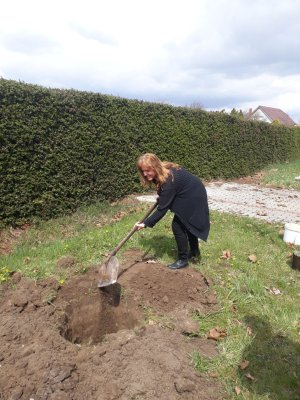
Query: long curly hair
x=162 y=169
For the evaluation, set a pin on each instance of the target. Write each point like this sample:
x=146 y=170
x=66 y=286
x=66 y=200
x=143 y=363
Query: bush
x=61 y=149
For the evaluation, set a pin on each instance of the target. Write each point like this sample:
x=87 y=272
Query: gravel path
x=269 y=204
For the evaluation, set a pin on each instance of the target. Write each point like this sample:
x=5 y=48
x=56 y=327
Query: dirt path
x=134 y=340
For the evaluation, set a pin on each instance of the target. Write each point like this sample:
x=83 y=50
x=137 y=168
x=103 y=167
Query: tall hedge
x=61 y=149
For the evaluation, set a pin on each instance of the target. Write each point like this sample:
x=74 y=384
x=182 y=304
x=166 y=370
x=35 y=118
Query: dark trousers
x=184 y=239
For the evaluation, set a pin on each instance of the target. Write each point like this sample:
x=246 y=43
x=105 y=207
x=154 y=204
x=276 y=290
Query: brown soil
x=255 y=179
x=132 y=340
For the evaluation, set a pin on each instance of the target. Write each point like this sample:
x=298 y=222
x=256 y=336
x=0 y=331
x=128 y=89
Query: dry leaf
x=252 y=258
x=216 y=334
x=261 y=213
x=249 y=331
x=237 y=390
x=244 y=364
x=226 y=254
x=273 y=290
x=119 y=215
x=250 y=377
x=233 y=307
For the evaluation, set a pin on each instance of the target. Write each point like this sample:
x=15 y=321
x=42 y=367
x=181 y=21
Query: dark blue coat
x=185 y=195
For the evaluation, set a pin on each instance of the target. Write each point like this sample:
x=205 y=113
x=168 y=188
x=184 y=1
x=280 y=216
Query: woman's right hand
x=139 y=226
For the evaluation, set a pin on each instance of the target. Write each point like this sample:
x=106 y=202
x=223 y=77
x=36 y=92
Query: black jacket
x=185 y=195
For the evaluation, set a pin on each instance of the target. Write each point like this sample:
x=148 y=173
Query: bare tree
x=196 y=105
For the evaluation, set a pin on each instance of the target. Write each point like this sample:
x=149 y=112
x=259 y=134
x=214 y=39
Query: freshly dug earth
x=132 y=340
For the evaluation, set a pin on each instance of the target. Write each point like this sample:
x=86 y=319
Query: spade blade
x=108 y=272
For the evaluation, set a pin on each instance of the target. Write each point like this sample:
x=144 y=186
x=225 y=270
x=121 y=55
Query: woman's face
x=148 y=173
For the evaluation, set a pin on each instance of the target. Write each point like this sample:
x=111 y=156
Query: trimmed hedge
x=61 y=149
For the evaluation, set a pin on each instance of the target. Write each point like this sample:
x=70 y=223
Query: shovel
x=109 y=270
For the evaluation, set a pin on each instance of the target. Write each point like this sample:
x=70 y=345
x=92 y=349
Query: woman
x=185 y=195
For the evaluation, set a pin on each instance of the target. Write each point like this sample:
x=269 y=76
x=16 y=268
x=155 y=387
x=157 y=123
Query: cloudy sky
x=214 y=53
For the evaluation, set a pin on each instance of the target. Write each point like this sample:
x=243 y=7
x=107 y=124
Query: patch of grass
x=253 y=317
x=282 y=175
x=258 y=299
x=86 y=236
x=152 y=318
x=202 y=364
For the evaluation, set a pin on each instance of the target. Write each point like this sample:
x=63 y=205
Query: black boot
x=179 y=264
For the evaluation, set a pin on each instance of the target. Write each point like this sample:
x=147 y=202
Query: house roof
x=276 y=114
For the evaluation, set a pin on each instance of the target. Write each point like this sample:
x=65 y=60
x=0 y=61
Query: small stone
x=184 y=385
x=20 y=300
x=16 y=277
x=165 y=299
x=189 y=327
x=97 y=358
x=28 y=350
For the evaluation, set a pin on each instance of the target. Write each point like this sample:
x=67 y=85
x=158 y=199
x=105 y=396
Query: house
x=270 y=114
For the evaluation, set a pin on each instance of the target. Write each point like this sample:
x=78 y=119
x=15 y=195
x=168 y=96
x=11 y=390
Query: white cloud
x=221 y=54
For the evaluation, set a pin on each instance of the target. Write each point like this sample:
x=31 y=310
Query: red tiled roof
x=276 y=114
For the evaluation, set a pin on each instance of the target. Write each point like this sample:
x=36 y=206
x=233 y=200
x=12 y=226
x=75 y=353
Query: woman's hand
x=139 y=225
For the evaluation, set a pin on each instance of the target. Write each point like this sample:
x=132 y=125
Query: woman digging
x=185 y=195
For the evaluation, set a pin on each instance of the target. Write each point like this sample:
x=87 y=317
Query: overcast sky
x=215 y=53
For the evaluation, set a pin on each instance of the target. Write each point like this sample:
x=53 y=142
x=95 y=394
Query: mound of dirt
x=132 y=340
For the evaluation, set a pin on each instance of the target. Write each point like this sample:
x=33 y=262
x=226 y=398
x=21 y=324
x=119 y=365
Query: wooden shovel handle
x=117 y=248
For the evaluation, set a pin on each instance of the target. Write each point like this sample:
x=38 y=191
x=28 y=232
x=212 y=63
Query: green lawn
x=283 y=175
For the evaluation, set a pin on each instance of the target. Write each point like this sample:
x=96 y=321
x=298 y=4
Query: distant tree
x=237 y=114
x=275 y=122
x=196 y=105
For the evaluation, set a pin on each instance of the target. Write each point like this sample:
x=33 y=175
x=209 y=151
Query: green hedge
x=61 y=149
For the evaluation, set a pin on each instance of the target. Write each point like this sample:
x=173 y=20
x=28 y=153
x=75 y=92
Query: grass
x=262 y=328
x=258 y=300
x=282 y=175
x=85 y=236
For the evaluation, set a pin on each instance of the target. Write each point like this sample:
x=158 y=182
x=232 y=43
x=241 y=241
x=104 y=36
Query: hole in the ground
x=89 y=318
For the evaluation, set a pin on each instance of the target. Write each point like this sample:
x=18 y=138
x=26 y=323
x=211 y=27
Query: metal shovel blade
x=108 y=272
